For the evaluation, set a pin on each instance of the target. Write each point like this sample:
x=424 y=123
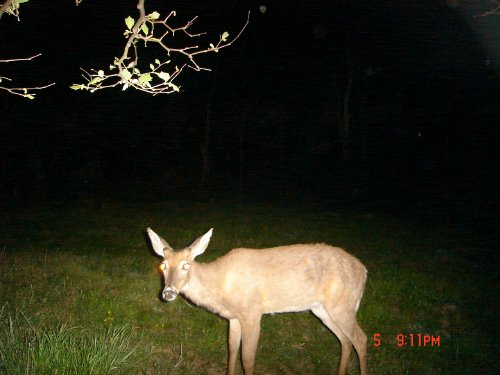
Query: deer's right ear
x=158 y=243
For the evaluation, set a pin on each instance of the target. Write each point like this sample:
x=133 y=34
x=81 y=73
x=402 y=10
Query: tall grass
x=26 y=348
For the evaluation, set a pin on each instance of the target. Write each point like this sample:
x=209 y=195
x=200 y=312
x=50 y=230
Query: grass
x=79 y=290
x=61 y=349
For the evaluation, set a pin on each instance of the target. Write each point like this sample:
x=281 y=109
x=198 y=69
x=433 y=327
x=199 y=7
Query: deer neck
x=203 y=287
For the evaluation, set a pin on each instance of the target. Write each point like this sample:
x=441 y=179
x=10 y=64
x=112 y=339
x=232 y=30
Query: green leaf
x=164 y=76
x=76 y=87
x=126 y=74
x=100 y=73
x=129 y=21
x=224 y=36
x=29 y=96
x=145 y=78
x=145 y=29
x=95 y=80
x=157 y=62
x=174 y=87
x=154 y=16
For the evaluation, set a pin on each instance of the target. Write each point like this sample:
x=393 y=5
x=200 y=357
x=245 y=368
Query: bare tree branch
x=494 y=11
x=21 y=59
x=26 y=92
x=12 y=7
x=480 y=8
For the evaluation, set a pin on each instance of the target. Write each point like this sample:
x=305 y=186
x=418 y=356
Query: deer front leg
x=250 y=338
x=234 y=344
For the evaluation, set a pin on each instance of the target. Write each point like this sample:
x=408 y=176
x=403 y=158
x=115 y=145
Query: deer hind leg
x=360 y=341
x=345 y=342
x=234 y=344
x=345 y=319
x=250 y=329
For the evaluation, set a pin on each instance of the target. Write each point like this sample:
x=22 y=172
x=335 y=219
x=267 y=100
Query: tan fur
x=246 y=283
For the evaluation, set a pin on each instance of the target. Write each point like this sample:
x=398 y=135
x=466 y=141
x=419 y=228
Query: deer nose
x=169 y=294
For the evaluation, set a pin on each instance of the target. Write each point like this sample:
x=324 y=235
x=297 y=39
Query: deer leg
x=234 y=344
x=345 y=343
x=346 y=321
x=360 y=341
x=250 y=329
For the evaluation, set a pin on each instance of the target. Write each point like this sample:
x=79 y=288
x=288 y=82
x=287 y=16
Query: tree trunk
x=242 y=152
x=205 y=142
x=345 y=123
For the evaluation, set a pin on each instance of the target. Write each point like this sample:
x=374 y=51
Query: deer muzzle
x=169 y=294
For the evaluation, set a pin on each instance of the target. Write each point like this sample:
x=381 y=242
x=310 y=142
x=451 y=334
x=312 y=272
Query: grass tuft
x=26 y=348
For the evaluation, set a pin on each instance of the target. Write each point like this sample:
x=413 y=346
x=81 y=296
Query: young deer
x=246 y=283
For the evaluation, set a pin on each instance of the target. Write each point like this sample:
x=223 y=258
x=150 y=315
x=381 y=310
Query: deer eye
x=163 y=266
x=186 y=266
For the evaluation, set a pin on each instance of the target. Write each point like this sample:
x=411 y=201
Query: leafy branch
x=157 y=76
x=11 y=7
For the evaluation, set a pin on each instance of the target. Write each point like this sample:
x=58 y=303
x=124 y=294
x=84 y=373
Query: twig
x=25 y=91
x=21 y=59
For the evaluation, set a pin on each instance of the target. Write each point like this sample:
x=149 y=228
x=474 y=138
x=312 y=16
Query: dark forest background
x=364 y=104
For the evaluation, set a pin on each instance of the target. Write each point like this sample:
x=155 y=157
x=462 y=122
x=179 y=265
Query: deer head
x=176 y=265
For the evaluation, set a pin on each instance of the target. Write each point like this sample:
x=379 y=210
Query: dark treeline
x=341 y=104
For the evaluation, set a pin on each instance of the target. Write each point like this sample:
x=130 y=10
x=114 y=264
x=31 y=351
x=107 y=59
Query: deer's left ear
x=200 y=244
x=158 y=243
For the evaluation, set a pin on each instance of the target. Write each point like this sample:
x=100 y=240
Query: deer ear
x=158 y=243
x=199 y=245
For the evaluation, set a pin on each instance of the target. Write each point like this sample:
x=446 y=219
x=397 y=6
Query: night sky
x=423 y=105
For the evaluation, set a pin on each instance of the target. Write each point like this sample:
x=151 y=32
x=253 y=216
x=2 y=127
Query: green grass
x=28 y=348
x=79 y=290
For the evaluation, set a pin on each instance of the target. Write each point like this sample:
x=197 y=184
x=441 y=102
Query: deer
x=244 y=284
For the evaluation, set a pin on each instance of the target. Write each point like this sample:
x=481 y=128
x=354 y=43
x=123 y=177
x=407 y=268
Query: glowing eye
x=163 y=266
x=186 y=266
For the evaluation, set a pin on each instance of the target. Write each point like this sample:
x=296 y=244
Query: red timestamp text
x=408 y=339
